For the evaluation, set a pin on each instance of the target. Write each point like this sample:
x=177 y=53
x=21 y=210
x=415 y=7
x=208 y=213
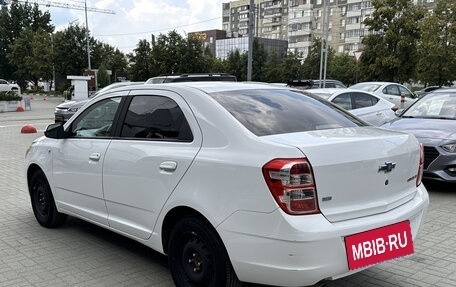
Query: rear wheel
x=197 y=256
x=43 y=203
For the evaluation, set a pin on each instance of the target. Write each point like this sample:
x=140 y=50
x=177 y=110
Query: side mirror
x=399 y=112
x=55 y=131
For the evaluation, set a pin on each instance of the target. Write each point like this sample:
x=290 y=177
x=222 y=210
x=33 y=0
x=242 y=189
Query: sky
x=138 y=19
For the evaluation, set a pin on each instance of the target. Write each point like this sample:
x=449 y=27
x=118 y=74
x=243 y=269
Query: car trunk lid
x=358 y=171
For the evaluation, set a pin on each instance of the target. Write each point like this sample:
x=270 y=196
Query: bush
x=9 y=96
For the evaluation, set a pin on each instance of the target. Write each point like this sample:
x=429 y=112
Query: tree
x=140 y=60
x=259 y=58
x=390 y=52
x=70 y=47
x=102 y=76
x=272 y=69
x=343 y=68
x=291 y=68
x=166 y=54
x=12 y=23
x=437 y=49
x=31 y=55
x=311 y=65
x=236 y=64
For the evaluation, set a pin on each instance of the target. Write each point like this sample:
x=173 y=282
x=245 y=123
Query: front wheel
x=197 y=257
x=43 y=204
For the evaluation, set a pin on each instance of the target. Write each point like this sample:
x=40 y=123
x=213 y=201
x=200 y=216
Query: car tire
x=43 y=203
x=197 y=256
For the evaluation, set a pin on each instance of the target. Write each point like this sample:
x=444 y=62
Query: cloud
x=139 y=19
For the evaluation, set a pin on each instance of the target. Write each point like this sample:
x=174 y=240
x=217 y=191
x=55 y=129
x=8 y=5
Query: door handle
x=95 y=156
x=168 y=166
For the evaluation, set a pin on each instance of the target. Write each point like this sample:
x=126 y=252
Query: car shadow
x=439 y=186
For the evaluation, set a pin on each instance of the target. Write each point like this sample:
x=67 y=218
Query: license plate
x=378 y=245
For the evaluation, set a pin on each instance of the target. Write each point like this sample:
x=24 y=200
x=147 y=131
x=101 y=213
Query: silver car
x=65 y=110
x=432 y=119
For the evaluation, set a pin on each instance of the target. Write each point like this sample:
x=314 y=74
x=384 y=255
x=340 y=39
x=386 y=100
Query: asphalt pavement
x=81 y=254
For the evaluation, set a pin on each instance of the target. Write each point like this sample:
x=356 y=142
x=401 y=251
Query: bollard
x=28 y=129
x=402 y=101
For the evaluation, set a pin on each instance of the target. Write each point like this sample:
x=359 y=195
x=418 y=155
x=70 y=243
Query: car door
x=391 y=93
x=159 y=138
x=78 y=161
x=365 y=107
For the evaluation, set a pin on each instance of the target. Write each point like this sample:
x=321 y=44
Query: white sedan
x=396 y=93
x=367 y=106
x=234 y=181
x=6 y=86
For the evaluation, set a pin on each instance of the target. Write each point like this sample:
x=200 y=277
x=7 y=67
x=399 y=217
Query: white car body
x=392 y=92
x=137 y=186
x=366 y=106
x=6 y=86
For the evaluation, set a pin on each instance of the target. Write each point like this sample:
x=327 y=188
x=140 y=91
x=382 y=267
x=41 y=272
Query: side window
x=339 y=85
x=343 y=101
x=155 y=117
x=391 y=90
x=96 y=121
x=405 y=92
x=361 y=100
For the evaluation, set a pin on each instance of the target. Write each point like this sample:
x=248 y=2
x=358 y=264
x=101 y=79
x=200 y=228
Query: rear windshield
x=268 y=112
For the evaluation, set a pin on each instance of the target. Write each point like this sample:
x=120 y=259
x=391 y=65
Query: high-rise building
x=298 y=21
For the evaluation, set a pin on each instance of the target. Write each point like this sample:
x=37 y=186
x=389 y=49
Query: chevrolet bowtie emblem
x=387 y=167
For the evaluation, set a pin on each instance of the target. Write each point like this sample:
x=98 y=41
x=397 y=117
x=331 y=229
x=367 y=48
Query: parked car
x=432 y=119
x=191 y=78
x=366 y=106
x=315 y=84
x=233 y=181
x=6 y=86
x=64 y=111
x=392 y=92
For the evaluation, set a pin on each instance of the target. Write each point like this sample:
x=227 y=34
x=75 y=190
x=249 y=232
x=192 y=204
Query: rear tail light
x=395 y=108
x=419 y=176
x=292 y=185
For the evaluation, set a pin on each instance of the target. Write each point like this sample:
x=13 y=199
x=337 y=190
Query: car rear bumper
x=284 y=250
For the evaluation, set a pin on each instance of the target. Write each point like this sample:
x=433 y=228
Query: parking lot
x=81 y=254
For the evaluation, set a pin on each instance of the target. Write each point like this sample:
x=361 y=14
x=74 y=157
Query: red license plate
x=378 y=245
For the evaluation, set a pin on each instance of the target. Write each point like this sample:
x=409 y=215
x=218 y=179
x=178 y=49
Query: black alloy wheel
x=197 y=257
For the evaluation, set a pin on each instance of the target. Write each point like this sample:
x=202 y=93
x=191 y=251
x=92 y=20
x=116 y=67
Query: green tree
x=292 y=68
x=259 y=58
x=343 y=68
x=236 y=64
x=192 y=56
x=311 y=65
x=102 y=76
x=140 y=62
x=70 y=48
x=390 y=52
x=272 y=69
x=166 y=54
x=437 y=49
x=12 y=22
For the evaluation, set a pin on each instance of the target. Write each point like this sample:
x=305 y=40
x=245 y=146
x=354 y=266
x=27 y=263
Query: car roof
x=443 y=90
x=204 y=86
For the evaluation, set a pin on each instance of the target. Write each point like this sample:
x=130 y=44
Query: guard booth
x=81 y=88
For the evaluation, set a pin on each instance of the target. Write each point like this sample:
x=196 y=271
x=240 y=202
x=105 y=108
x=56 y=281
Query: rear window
x=268 y=112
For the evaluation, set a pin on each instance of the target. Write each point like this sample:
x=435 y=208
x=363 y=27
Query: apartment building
x=298 y=21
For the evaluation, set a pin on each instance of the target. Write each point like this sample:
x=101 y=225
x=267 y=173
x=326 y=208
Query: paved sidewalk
x=81 y=254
